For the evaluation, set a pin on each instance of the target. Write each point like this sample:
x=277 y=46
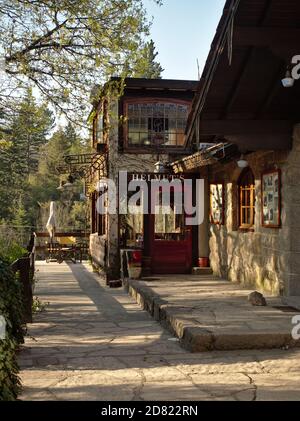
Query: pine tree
x=20 y=216
x=147 y=66
x=19 y=153
x=30 y=129
x=65 y=141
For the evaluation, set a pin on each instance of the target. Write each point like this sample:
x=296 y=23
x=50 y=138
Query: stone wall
x=98 y=246
x=267 y=259
x=290 y=237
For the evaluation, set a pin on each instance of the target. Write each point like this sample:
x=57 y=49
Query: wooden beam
x=274 y=86
x=265 y=14
x=264 y=36
x=241 y=127
x=236 y=85
x=252 y=143
x=63 y=234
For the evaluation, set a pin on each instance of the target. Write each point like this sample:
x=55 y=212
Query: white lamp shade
x=288 y=82
x=242 y=163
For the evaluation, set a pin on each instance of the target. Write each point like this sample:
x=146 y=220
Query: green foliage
x=29 y=129
x=38 y=306
x=4 y=144
x=11 y=306
x=64 y=47
x=20 y=218
x=43 y=184
x=10 y=248
x=146 y=66
x=12 y=252
x=79 y=215
x=22 y=198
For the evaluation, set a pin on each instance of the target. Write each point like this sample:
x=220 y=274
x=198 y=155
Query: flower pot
x=134 y=263
x=203 y=262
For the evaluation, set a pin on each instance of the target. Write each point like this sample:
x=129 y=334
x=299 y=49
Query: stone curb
x=195 y=338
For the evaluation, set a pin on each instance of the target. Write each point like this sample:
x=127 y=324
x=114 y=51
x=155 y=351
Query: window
x=98 y=129
x=99 y=125
x=247 y=199
x=132 y=225
x=271 y=198
x=101 y=224
x=156 y=124
x=217 y=212
x=169 y=222
x=98 y=224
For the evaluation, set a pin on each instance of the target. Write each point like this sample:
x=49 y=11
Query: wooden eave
x=244 y=101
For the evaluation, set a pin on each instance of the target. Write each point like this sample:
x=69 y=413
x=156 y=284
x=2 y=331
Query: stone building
x=245 y=110
x=242 y=137
x=135 y=129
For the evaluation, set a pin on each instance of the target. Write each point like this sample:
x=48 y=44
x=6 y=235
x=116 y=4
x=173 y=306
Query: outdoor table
x=59 y=253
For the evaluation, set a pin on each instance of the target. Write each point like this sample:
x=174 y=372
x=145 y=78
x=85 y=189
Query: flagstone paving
x=95 y=343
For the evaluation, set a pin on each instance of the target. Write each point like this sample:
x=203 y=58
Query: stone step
x=115 y=284
x=203 y=334
x=293 y=301
x=202 y=271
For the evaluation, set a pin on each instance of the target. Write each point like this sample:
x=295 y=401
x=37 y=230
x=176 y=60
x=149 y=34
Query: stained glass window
x=157 y=124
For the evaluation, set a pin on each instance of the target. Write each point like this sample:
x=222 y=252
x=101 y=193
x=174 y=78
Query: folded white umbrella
x=51 y=221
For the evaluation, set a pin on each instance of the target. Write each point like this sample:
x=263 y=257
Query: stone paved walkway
x=93 y=343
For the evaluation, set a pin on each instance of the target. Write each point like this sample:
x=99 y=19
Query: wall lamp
x=288 y=81
x=242 y=162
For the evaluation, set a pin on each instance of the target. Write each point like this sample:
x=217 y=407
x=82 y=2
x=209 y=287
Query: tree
x=147 y=67
x=19 y=155
x=29 y=132
x=20 y=217
x=64 y=47
x=43 y=185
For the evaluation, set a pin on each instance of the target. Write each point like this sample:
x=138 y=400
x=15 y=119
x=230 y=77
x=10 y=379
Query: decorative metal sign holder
x=85 y=166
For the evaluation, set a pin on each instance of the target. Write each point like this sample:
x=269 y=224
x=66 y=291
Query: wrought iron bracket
x=85 y=166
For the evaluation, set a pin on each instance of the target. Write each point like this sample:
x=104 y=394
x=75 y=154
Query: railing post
x=25 y=278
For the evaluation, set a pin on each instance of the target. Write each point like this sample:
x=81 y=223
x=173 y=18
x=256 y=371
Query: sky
x=183 y=31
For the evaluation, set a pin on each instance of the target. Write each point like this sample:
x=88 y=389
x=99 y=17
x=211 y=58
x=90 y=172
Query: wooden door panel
x=171 y=243
x=171 y=257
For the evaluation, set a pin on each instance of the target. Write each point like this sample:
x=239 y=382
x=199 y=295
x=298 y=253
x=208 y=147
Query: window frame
x=151 y=100
x=222 y=210
x=252 y=198
x=101 y=113
x=278 y=172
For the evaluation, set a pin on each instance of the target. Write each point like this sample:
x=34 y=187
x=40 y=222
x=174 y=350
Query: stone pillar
x=203 y=237
x=289 y=263
x=113 y=258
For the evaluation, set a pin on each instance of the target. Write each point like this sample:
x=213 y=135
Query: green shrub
x=11 y=308
x=11 y=251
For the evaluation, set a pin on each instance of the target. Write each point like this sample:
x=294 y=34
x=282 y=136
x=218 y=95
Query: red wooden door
x=171 y=243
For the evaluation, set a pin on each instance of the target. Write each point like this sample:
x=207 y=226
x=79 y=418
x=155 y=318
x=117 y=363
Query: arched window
x=246 y=186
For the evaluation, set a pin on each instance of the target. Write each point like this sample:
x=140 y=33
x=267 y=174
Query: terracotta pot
x=203 y=262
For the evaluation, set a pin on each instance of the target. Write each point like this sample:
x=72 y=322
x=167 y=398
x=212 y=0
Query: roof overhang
x=240 y=96
x=221 y=152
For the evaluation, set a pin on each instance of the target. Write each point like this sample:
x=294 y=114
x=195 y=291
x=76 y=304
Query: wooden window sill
x=246 y=229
